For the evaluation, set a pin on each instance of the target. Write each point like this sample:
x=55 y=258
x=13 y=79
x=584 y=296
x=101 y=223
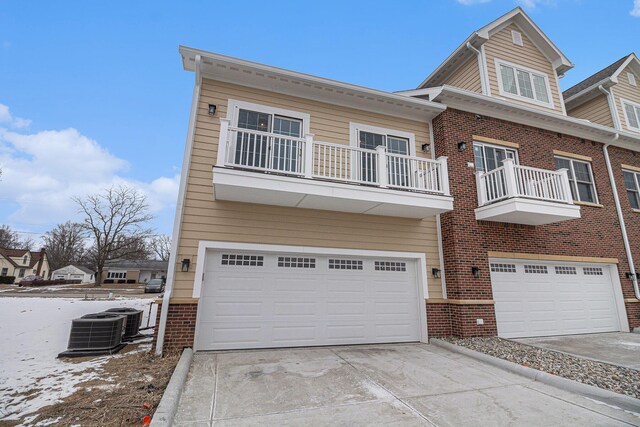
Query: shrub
x=7 y=280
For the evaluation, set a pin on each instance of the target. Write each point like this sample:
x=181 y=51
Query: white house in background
x=74 y=272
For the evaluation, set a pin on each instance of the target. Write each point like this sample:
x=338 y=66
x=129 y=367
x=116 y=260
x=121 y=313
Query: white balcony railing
x=513 y=180
x=305 y=157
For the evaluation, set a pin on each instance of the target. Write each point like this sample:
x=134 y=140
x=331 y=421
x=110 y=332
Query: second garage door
x=261 y=300
x=534 y=298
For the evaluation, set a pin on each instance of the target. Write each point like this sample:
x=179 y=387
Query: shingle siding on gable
x=623 y=90
x=467 y=77
x=596 y=110
x=501 y=46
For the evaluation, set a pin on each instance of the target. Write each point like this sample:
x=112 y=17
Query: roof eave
x=261 y=76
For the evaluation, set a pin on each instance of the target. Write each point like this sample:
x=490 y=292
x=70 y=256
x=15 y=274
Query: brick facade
x=181 y=326
x=466 y=241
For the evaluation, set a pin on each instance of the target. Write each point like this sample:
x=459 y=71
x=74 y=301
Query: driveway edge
x=609 y=397
x=163 y=417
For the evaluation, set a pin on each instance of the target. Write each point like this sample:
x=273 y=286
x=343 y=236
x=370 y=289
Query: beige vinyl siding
x=501 y=46
x=207 y=219
x=595 y=110
x=623 y=90
x=467 y=76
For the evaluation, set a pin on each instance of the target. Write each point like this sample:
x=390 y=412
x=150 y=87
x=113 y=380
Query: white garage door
x=541 y=299
x=259 y=300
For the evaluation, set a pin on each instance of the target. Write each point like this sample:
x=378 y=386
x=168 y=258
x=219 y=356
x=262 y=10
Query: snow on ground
x=32 y=333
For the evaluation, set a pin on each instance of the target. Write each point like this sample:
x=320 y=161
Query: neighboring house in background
x=74 y=272
x=23 y=262
x=315 y=212
x=133 y=271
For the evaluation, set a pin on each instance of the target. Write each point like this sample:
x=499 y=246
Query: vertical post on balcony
x=511 y=185
x=381 y=166
x=223 y=142
x=308 y=155
x=482 y=189
x=443 y=167
x=566 y=186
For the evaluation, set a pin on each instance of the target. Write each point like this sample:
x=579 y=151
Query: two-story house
x=23 y=262
x=316 y=212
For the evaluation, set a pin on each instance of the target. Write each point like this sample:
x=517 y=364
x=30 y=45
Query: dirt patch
x=130 y=386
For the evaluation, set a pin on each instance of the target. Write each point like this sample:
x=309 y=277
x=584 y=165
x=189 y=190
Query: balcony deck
x=265 y=168
x=524 y=195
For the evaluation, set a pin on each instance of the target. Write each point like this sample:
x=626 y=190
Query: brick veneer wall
x=466 y=241
x=181 y=326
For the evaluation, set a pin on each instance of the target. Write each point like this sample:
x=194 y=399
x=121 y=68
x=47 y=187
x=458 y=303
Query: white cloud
x=42 y=171
x=6 y=118
x=636 y=9
x=532 y=4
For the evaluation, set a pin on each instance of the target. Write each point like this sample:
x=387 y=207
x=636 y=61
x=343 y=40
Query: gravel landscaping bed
x=603 y=375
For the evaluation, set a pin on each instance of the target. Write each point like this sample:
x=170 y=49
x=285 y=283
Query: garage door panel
x=274 y=305
x=559 y=302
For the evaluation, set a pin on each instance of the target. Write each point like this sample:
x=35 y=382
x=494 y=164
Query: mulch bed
x=609 y=377
x=129 y=388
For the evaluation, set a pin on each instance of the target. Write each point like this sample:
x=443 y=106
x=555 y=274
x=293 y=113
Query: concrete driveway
x=617 y=348
x=393 y=384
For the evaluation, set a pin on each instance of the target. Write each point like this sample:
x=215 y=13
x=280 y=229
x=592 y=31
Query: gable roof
x=606 y=77
x=599 y=76
x=34 y=257
x=517 y=16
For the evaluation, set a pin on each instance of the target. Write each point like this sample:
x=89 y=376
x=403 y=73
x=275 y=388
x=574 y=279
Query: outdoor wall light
x=212 y=109
x=185 y=265
x=629 y=275
x=476 y=272
x=435 y=272
x=426 y=148
x=462 y=146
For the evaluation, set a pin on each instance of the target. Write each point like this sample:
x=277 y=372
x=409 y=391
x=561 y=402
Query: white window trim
x=500 y=147
x=234 y=106
x=636 y=178
x=354 y=141
x=626 y=117
x=113 y=272
x=502 y=92
x=575 y=183
x=516 y=38
x=420 y=258
x=631 y=78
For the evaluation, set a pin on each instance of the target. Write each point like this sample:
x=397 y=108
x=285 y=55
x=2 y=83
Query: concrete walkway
x=617 y=348
x=393 y=384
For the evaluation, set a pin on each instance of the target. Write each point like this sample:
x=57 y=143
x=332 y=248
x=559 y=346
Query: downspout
x=616 y=199
x=483 y=83
x=186 y=162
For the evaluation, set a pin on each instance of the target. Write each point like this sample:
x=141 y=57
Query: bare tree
x=8 y=237
x=114 y=218
x=65 y=244
x=161 y=246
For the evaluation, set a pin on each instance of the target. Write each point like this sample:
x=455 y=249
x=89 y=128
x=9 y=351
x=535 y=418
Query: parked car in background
x=154 y=285
x=31 y=278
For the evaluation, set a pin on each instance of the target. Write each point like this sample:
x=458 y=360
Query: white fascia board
x=520 y=210
x=501 y=109
x=253 y=74
x=632 y=59
x=576 y=98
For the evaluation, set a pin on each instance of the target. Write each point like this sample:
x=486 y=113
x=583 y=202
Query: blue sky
x=92 y=93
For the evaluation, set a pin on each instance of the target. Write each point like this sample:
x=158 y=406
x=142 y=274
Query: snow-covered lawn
x=32 y=333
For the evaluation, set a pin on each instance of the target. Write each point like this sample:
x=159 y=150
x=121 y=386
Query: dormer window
x=24 y=260
x=523 y=83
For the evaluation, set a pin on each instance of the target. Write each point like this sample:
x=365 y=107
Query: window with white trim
x=345 y=264
x=116 y=275
x=503 y=268
x=390 y=266
x=522 y=83
x=395 y=141
x=632 y=79
x=516 y=38
x=4 y=272
x=21 y=272
x=243 y=260
x=563 y=269
x=583 y=188
x=632 y=114
x=489 y=157
x=267 y=137
x=535 y=269
x=296 y=262
x=592 y=271
x=632 y=184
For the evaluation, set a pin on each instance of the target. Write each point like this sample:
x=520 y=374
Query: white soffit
x=265 y=77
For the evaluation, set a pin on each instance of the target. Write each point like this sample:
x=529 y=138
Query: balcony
x=274 y=169
x=524 y=195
